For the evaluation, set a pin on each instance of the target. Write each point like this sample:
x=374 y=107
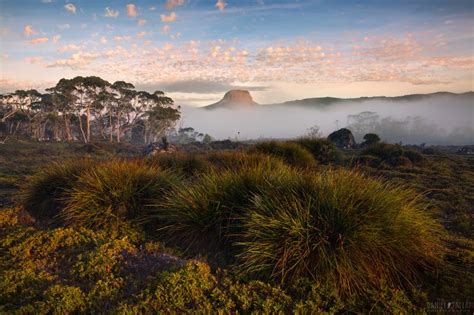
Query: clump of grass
x=341 y=227
x=291 y=153
x=324 y=151
x=43 y=195
x=184 y=163
x=236 y=160
x=204 y=217
x=116 y=193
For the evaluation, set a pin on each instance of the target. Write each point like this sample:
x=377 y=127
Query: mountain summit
x=234 y=99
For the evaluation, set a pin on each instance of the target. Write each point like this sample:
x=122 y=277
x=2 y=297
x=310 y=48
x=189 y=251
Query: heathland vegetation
x=276 y=227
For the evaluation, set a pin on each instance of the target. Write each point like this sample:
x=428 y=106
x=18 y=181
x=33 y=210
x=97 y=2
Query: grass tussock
x=324 y=151
x=115 y=192
x=185 y=164
x=204 y=217
x=340 y=227
x=44 y=193
x=291 y=153
x=236 y=160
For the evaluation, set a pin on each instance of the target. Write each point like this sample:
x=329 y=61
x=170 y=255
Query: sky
x=196 y=50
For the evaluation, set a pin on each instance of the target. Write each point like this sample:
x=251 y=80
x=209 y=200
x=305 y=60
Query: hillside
x=326 y=101
x=242 y=98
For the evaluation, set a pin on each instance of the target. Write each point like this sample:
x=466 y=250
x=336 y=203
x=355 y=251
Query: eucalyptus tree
x=84 y=107
x=64 y=99
x=160 y=116
x=79 y=94
x=16 y=108
x=122 y=108
x=21 y=100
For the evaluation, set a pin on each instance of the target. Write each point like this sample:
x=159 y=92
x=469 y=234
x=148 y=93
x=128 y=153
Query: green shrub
x=394 y=154
x=343 y=228
x=204 y=216
x=116 y=194
x=414 y=156
x=368 y=160
x=430 y=151
x=59 y=299
x=370 y=139
x=195 y=289
x=44 y=193
x=291 y=153
x=324 y=151
x=384 y=151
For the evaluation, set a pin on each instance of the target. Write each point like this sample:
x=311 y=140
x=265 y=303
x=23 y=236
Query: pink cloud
x=33 y=59
x=40 y=40
x=70 y=47
x=220 y=4
x=170 y=4
x=132 y=10
x=76 y=61
x=168 y=18
x=29 y=31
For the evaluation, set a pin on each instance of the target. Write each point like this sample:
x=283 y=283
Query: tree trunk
x=82 y=129
x=88 y=113
x=118 y=127
x=16 y=128
x=110 y=126
x=68 y=128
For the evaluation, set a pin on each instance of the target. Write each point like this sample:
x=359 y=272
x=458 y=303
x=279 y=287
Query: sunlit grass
x=43 y=194
x=292 y=153
x=341 y=227
x=115 y=192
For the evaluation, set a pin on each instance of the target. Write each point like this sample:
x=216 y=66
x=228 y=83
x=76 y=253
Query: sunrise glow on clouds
x=281 y=50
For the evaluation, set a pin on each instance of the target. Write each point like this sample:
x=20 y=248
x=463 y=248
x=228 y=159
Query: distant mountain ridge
x=242 y=98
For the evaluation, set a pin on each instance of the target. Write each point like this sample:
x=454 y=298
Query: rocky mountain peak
x=240 y=96
x=234 y=99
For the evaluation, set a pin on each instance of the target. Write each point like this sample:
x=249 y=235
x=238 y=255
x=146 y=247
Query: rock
x=343 y=139
x=159 y=148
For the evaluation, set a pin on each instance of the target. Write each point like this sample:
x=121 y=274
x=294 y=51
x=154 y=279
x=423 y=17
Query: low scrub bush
x=324 y=151
x=116 y=193
x=370 y=139
x=44 y=193
x=343 y=228
x=291 y=153
x=394 y=154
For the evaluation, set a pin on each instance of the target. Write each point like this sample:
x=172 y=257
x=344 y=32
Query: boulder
x=343 y=139
x=159 y=148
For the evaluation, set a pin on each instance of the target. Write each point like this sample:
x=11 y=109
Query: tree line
x=87 y=109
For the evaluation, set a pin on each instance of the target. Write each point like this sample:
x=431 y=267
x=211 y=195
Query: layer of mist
x=445 y=119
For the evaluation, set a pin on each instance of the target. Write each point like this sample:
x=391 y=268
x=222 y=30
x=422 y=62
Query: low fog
x=433 y=120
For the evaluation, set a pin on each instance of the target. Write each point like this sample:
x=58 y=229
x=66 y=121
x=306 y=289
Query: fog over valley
x=440 y=118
